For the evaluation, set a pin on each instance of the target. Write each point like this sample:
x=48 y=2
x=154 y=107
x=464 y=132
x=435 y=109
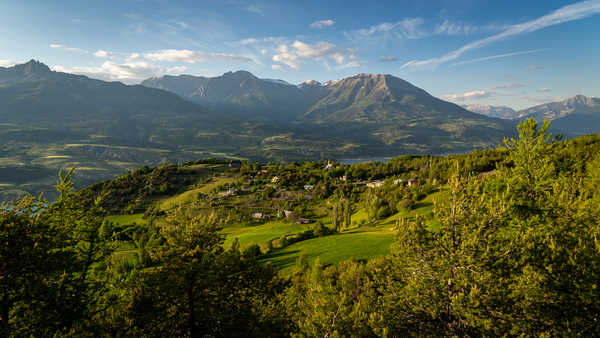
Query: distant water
x=351 y=161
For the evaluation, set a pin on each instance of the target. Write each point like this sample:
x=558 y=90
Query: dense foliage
x=516 y=253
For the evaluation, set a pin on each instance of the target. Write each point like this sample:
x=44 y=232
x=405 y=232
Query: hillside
x=578 y=115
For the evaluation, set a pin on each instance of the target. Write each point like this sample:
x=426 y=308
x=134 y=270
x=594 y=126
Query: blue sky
x=515 y=53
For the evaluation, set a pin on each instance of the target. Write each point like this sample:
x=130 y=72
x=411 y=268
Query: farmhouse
x=412 y=182
x=301 y=220
x=375 y=184
x=260 y=215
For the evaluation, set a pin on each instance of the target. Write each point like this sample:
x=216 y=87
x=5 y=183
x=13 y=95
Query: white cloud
x=176 y=69
x=255 y=9
x=129 y=72
x=564 y=14
x=76 y=20
x=291 y=55
x=104 y=54
x=191 y=56
x=474 y=95
x=277 y=67
x=70 y=49
x=388 y=59
x=248 y=41
x=409 y=28
x=134 y=56
x=7 y=63
x=322 y=24
x=500 y=56
x=544 y=90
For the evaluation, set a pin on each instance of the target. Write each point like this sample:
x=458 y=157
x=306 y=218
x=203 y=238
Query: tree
x=196 y=287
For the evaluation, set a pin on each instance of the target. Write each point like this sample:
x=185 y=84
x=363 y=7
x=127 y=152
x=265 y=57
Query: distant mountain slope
x=33 y=94
x=238 y=92
x=575 y=116
x=501 y=112
x=402 y=116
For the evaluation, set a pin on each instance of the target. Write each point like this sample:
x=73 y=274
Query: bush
x=405 y=204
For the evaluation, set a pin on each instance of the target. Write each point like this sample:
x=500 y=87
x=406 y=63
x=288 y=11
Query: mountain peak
x=579 y=100
x=311 y=83
x=33 y=67
x=240 y=74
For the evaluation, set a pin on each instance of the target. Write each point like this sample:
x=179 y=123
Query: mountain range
x=368 y=113
x=575 y=116
x=51 y=120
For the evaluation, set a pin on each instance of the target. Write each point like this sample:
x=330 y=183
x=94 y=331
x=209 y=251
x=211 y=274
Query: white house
x=375 y=184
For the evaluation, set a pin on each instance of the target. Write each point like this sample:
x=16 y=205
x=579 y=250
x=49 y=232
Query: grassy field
x=190 y=195
x=261 y=233
x=362 y=241
x=126 y=219
x=332 y=249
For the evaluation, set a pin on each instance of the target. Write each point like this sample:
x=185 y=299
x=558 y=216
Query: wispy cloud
x=449 y=27
x=533 y=67
x=388 y=59
x=499 y=56
x=292 y=55
x=564 y=14
x=473 y=95
x=256 y=9
x=191 y=56
x=67 y=48
x=322 y=24
x=409 y=28
x=277 y=67
x=508 y=86
x=544 y=90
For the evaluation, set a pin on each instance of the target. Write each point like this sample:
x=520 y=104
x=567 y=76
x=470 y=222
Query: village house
x=288 y=213
x=301 y=220
x=309 y=187
x=412 y=182
x=375 y=184
x=398 y=181
x=275 y=179
x=260 y=215
x=229 y=192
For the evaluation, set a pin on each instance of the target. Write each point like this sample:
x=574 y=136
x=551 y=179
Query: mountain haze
x=501 y=112
x=574 y=116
